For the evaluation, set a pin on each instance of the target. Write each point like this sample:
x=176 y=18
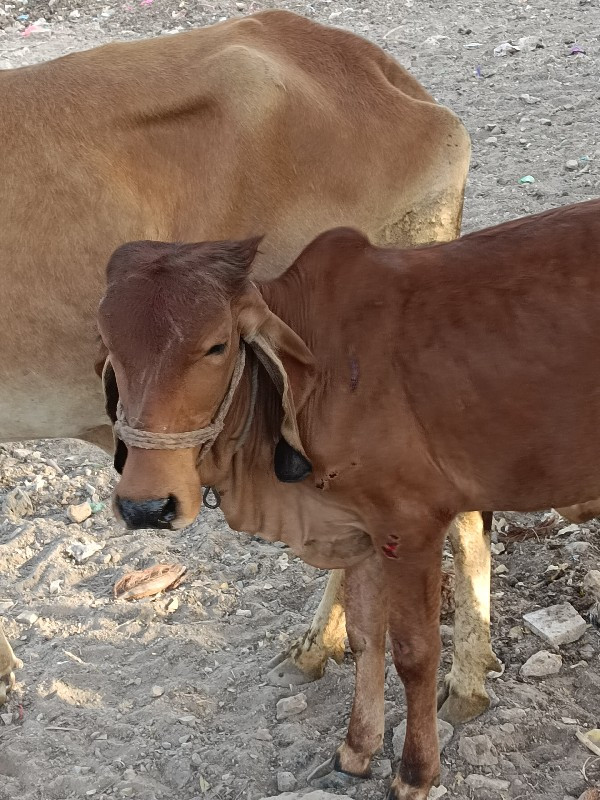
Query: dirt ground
x=161 y=699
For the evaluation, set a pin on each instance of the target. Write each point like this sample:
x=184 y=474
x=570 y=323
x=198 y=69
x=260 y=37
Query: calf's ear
x=291 y=366
x=105 y=370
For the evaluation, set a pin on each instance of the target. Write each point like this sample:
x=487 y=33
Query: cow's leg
x=366 y=617
x=464 y=696
x=307 y=657
x=8 y=663
x=413 y=574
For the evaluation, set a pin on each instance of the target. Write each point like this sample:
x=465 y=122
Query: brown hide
x=426 y=360
x=268 y=124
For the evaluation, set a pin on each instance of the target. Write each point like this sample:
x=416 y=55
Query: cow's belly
x=42 y=408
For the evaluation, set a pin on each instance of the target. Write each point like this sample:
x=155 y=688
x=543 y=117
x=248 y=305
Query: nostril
x=169 y=511
x=138 y=514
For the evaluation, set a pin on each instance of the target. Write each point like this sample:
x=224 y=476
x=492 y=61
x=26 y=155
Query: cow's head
x=177 y=321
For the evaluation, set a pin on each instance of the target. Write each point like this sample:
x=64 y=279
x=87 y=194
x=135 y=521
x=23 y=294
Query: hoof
x=402 y=791
x=456 y=709
x=284 y=672
x=330 y=775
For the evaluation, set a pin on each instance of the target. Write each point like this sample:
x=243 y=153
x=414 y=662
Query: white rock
x=17 y=503
x=541 y=664
x=501 y=569
x=289 y=706
x=530 y=100
x=437 y=791
x=577 y=548
x=493 y=140
x=27 y=617
x=80 y=512
x=571 y=164
x=478 y=751
x=157 y=691
x=81 y=551
x=445 y=733
x=591 y=582
x=559 y=624
x=286 y=782
x=483 y=782
x=263 y=735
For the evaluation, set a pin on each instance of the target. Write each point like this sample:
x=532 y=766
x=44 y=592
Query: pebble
x=571 y=164
x=17 y=503
x=587 y=652
x=6 y=718
x=501 y=569
x=436 y=792
x=559 y=624
x=157 y=691
x=28 y=617
x=445 y=733
x=80 y=512
x=545 y=121
x=318 y=794
x=478 y=751
x=493 y=140
x=541 y=664
x=286 y=782
x=243 y=612
x=591 y=582
x=530 y=99
x=483 y=782
x=289 y=706
x=383 y=769
x=577 y=548
x=263 y=735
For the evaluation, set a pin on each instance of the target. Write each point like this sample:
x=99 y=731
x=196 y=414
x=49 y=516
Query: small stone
x=6 y=718
x=478 y=751
x=263 y=735
x=501 y=569
x=530 y=100
x=512 y=714
x=289 y=706
x=545 y=121
x=196 y=759
x=286 y=782
x=383 y=769
x=559 y=624
x=541 y=664
x=75 y=14
x=157 y=691
x=173 y=605
x=577 y=548
x=498 y=548
x=516 y=632
x=250 y=570
x=243 y=612
x=571 y=164
x=80 y=512
x=492 y=140
x=17 y=504
x=27 y=617
x=437 y=792
x=591 y=582
x=587 y=652
x=445 y=734
x=318 y=794
x=483 y=782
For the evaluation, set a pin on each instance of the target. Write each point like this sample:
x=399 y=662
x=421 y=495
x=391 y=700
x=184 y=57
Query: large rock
x=445 y=733
x=478 y=751
x=541 y=664
x=559 y=624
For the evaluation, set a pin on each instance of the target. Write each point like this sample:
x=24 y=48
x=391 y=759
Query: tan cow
x=348 y=407
x=272 y=122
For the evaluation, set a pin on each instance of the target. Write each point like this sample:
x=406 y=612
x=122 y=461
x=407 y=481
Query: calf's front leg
x=305 y=660
x=413 y=575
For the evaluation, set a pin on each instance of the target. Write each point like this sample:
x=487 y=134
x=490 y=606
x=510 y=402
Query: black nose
x=148 y=513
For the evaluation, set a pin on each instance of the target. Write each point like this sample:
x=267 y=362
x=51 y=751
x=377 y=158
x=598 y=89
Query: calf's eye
x=216 y=350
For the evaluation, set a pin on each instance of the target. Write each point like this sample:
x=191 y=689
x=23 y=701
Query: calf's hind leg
x=307 y=657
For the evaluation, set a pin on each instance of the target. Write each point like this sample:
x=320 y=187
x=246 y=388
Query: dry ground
x=85 y=721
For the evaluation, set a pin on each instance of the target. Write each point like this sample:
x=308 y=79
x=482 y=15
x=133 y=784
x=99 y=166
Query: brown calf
x=345 y=408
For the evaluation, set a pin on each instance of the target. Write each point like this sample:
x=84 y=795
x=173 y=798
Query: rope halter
x=203 y=437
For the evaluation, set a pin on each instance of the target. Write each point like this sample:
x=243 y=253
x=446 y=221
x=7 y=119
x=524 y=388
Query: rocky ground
x=168 y=697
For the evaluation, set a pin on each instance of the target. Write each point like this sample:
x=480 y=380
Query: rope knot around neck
x=202 y=437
